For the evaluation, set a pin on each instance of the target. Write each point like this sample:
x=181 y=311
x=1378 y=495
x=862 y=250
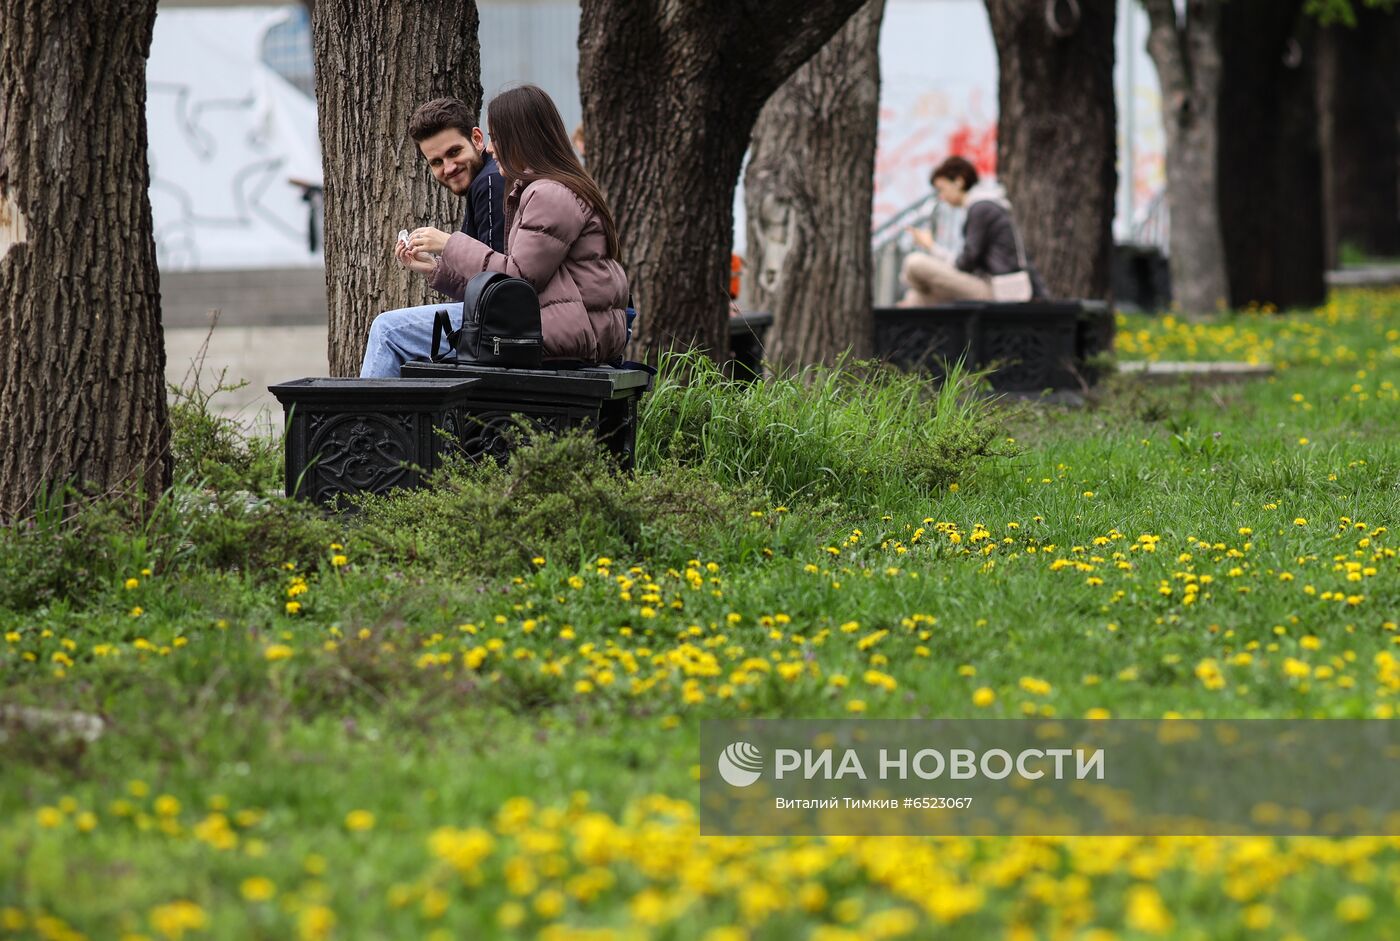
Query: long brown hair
x=531 y=144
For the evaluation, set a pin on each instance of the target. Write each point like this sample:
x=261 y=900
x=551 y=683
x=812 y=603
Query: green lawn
x=389 y=730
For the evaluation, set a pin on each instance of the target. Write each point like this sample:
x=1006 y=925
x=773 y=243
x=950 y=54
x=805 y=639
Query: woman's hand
x=427 y=239
x=421 y=262
x=922 y=237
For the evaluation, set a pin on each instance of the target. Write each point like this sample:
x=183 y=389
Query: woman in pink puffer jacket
x=560 y=237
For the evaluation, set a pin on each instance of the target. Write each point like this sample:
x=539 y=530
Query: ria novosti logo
x=741 y=764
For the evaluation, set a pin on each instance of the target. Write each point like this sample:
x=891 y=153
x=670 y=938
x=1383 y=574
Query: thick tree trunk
x=808 y=192
x=671 y=92
x=1187 y=56
x=82 y=364
x=375 y=63
x=1055 y=135
x=1359 y=100
x=1270 y=164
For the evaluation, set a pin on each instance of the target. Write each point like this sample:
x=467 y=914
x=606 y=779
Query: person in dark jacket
x=991 y=244
x=455 y=149
x=458 y=158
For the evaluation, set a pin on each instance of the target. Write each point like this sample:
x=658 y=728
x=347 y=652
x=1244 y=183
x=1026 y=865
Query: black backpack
x=500 y=324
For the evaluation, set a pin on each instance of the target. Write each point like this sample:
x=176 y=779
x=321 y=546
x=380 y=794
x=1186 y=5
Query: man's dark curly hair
x=433 y=117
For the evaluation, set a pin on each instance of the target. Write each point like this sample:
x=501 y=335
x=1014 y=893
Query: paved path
x=261 y=355
x=1375 y=276
x=1167 y=371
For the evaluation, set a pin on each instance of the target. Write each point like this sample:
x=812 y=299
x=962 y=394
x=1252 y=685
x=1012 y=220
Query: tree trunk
x=1270 y=164
x=375 y=63
x=1056 y=135
x=82 y=364
x=670 y=93
x=1359 y=98
x=1187 y=56
x=809 y=191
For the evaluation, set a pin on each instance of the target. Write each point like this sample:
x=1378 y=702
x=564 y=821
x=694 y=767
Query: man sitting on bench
x=457 y=156
x=991 y=250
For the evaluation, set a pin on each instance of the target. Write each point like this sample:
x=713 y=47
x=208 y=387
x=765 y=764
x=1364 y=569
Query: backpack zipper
x=498 y=342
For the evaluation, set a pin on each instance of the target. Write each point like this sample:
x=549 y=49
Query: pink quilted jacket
x=555 y=241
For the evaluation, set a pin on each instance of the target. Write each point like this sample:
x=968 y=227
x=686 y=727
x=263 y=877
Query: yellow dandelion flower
x=510 y=915
x=257 y=889
x=1146 y=911
x=1354 y=908
x=175 y=918
x=358 y=821
x=315 y=922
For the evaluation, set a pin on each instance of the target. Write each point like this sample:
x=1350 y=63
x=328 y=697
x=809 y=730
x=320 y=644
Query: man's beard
x=464 y=178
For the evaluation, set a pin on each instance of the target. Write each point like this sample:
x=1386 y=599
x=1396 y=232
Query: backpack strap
x=1016 y=234
x=442 y=324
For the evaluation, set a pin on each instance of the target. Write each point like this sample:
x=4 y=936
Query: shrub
x=215 y=449
x=558 y=497
x=58 y=552
x=70 y=547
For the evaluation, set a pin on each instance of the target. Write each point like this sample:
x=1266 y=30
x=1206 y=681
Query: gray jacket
x=989 y=241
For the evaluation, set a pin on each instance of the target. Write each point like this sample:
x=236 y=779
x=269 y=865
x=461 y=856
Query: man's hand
x=427 y=239
x=421 y=262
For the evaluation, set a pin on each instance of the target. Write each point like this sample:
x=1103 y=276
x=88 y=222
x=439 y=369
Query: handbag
x=500 y=325
x=1015 y=286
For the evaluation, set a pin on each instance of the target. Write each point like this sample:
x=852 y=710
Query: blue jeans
x=402 y=336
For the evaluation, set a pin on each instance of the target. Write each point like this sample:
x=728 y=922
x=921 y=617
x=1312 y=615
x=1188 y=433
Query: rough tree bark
x=375 y=63
x=1187 y=55
x=82 y=364
x=1359 y=101
x=808 y=192
x=1270 y=163
x=1055 y=135
x=671 y=91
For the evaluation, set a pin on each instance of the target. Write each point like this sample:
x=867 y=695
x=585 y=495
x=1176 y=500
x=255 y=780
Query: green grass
x=518 y=717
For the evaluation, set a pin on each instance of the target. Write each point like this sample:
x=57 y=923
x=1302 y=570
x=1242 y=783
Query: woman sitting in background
x=989 y=243
x=560 y=237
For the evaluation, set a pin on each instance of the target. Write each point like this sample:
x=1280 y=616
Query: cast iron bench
x=1033 y=346
x=747 y=333
x=349 y=436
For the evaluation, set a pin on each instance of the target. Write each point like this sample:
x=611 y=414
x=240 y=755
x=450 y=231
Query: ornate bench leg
x=617 y=429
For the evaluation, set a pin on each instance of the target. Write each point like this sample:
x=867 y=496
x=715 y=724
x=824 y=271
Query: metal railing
x=891 y=244
x=1156 y=225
